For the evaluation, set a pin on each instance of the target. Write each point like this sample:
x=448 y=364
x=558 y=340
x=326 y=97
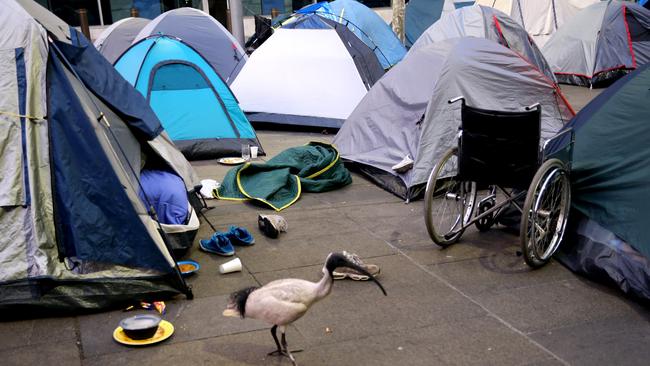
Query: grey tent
x=203 y=33
x=485 y=22
x=114 y=40
x=600 y=44
x=406 y=112
x=73 y=134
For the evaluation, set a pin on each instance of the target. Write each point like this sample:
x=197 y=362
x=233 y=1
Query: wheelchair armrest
x=454 y=100
x=533 y=106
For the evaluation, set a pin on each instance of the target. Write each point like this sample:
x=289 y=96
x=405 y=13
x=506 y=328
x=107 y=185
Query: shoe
x=218 y=244
x=342 y=273
x=240 y=236
x=403 y=166
x=272 y=225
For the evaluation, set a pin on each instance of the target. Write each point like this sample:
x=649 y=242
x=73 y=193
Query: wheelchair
x=499 y=152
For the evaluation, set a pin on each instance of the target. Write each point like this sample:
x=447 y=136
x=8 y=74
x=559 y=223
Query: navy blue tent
x=76 y=235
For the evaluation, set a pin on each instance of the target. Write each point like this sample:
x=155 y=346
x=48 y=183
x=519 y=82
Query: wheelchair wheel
x=545 y=213
x=486 y=222
x=448 y=203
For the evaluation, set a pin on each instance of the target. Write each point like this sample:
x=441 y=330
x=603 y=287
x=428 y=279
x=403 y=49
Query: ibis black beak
x=360 y=269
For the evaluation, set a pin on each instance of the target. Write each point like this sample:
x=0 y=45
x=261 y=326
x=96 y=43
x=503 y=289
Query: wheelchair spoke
x=448 y=201
x=546 y=213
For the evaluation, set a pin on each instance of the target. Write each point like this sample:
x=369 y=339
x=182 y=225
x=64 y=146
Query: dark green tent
x=610 y=181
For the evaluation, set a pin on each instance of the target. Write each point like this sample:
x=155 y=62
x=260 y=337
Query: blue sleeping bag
x=166 y=193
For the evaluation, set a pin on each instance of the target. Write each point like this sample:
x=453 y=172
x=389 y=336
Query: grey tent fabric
x=203 y=33
x=42 y=94
x=600 y=43
x=407 y=112
x=486 y=22
x=117 y=38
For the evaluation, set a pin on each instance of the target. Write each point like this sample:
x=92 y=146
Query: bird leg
x=282 y=350
x=277 y=343
x=286 y=349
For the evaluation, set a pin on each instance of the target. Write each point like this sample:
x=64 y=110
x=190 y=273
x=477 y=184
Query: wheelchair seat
x=499 y=147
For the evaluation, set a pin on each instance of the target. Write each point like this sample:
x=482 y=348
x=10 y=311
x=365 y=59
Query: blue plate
x=188 y=267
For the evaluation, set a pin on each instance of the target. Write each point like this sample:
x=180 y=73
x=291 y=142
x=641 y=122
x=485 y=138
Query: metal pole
x=83 y=22
x=228 y=20
x=101 y=14
x=206 y=6
x=237 y=20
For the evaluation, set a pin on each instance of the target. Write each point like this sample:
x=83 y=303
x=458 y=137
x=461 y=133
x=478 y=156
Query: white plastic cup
x=254 y=150
x=230 y=266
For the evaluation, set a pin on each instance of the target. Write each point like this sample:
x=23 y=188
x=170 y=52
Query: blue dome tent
x=365 y=24
x=193 y=102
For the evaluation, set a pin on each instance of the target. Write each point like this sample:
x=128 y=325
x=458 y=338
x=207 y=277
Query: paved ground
x=475 y=303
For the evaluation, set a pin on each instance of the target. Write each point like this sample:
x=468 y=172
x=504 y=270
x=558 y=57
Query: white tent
x=541 y=18
x=304 y=77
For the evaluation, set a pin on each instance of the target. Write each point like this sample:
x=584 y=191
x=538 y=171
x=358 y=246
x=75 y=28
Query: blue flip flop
x=240 y=236
x=218 y=244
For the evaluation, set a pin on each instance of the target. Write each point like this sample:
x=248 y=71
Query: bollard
x=274 y=13
x=134 y=12
x=83 y=22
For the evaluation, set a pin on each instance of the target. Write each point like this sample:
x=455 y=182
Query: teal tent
x=421 y=14
x=610 y=181
x=194 y=104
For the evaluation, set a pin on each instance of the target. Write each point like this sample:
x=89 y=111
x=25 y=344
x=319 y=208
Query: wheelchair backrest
x=499 y=147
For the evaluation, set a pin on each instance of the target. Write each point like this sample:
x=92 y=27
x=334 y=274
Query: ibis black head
x=336 y=260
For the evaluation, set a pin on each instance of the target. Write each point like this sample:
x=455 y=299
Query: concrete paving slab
x=64 y=352
x=193 y=320
x=209 y=282
x=564 y=303
x=609 y=341
x=361 y=193
x=579 y=96
x=36 y=332
x=402 y=226
x=249 y=348
x=358 y=309
x=498 y=273
x=480 y=341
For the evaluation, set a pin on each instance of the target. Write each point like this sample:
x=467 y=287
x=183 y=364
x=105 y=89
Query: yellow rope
x=21 y=115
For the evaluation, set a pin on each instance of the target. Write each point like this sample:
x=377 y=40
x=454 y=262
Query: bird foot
x=278 y=352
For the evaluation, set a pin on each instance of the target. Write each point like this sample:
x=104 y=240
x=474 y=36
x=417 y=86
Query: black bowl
x=142 y=326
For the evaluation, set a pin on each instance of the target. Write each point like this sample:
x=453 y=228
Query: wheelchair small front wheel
x=485 y=223
x=448 y=202
x=545 y=213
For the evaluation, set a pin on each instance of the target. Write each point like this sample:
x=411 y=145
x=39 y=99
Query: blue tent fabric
x=196 y=107
x=366 y=25
x=99 y=76
x=94 y=216
x=164 y=191
x=420 y=14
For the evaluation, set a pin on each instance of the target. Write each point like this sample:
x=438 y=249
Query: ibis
x=282 y=302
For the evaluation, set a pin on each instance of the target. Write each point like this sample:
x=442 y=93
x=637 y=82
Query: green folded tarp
x=315 y=167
